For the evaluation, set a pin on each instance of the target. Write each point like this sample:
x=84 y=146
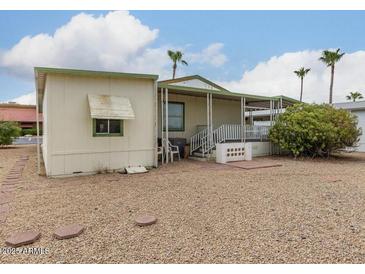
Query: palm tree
x=301 y=74
x=353 y=96
x=176 y=57
x=330 y=58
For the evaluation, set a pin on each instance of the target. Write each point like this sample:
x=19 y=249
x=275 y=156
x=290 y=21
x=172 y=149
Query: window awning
x=110 y=107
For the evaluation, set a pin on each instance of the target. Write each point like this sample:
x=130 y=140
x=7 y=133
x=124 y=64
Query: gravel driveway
x=306 y=211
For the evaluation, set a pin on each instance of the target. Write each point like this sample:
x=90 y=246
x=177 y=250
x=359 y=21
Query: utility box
x=230 y=152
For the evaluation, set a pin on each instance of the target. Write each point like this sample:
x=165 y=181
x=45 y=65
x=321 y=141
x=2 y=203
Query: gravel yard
x=306 y=211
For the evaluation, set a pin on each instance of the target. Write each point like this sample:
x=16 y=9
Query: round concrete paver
x=23 y=238
x=68 y=231
x=146 y=220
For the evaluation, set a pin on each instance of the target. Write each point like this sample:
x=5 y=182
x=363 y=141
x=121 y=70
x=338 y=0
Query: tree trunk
x=174 y=71
x=331 y=85
x=301 y=89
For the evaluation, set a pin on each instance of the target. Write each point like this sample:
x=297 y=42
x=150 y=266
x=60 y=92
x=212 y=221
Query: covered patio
x=205 y=114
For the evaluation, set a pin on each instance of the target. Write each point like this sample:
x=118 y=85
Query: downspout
x=162 y=133
x=167 y=124
x=156 y=123
x=37 y=122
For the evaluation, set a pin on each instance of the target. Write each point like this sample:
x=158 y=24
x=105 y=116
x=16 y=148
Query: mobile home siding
x=73 y=148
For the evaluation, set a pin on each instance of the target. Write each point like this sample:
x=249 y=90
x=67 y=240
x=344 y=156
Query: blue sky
x=247 y=38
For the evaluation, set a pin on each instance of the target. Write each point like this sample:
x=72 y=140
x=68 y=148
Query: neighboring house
x=25 y=115
x=357 y=108
x=97 y=121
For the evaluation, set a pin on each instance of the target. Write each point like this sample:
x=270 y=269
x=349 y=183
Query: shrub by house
x=314 y=130
x=8 y=131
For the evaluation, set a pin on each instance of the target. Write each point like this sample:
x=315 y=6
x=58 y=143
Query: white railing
x=196 y=141
x=225 y=133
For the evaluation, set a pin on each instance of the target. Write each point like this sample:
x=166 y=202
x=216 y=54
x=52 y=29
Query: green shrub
x=31 y=131
x=314 y=130
x=8 y=131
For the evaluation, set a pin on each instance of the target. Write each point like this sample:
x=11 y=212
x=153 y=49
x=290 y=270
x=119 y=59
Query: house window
x=176 y=116
x=107 y=127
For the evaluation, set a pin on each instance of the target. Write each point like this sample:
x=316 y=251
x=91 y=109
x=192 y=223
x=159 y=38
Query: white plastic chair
x=160 y=151
x=171 y=149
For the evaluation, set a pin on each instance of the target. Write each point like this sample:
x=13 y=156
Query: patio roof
x=181 y=86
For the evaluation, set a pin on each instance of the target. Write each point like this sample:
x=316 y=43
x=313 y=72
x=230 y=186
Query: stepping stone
x=145 y=220
x=23 y=238
x=68 y=231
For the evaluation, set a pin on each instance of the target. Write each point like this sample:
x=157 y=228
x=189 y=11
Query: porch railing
x=224 y=133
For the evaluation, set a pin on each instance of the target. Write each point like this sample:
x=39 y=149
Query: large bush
x=314 y=130
x=8 y=131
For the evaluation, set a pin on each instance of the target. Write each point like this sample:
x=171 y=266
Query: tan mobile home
x=97 y=121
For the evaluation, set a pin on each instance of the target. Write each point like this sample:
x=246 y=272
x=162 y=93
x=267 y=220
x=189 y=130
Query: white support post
x=271 y=112
x=208 y=121
x=162 y=124
x=38 y=145
x=271 y=106
x=281 y=105
x=242 y=119
x=167 y=124
x=211 y=120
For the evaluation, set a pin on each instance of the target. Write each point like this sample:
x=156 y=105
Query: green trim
x=94 y=73
x=183 y=127
x=226 y=93
x=292 y=100
x=192 y=77
x=108 y=134
x=205 y=91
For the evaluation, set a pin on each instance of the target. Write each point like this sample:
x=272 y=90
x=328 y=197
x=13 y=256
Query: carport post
x=207 y=122
x=211 y=120
x=167 y=124
x=271 y=105
x=244 y=119
x=271 y=112
x=241 y=119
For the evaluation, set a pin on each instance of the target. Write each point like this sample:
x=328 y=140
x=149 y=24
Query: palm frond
x=171 y=54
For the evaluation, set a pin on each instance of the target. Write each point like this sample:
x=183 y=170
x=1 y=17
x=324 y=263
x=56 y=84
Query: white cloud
x=275 y=76
x=26 y=99
x=211 y=55
x=115 y=41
